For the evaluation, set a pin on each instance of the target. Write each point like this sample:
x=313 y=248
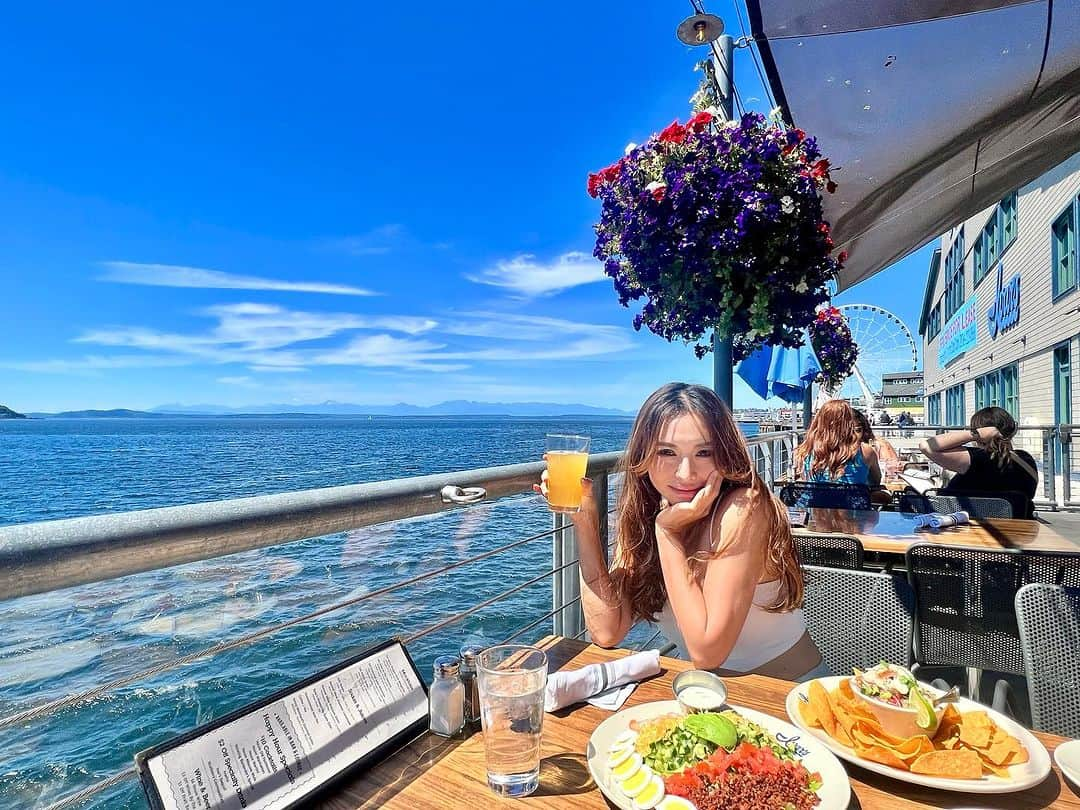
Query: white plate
x=835 y=790
x=1021 y=777
x=1067 y=757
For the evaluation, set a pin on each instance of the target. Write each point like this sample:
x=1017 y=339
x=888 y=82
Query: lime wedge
x=925 y=716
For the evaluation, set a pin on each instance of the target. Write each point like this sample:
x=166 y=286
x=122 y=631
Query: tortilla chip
x=845 y=689
x=1002 y=749
x=974 y=734
x=996 y=770
x=878 y=753
x=822 y=706
x=959 y=764
x=808 y=715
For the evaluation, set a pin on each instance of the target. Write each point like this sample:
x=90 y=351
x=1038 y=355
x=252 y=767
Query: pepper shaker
x=472 y=687
x=446 y=698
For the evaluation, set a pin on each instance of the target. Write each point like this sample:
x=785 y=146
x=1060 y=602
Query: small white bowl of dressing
x=699 y=690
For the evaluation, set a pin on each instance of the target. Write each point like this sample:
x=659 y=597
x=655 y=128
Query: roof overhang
x=931 y=110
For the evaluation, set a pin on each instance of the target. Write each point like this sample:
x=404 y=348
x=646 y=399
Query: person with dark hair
x=835 y=449
x=991 y=465
x=703 y=547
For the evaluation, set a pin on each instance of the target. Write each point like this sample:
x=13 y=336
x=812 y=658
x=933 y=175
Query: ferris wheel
x=885 y=346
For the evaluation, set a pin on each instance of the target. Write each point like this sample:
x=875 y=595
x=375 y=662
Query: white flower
x=783 y=260
x=630 y=147
x=801 y=287
x=787 y=205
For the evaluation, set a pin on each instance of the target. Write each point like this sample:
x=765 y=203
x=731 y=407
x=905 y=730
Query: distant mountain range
x=454 y=408
x=7 y=413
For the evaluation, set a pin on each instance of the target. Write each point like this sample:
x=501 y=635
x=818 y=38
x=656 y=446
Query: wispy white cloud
x=243 y=381
x=170 y=275
x=376 y=242
x=526 y=276
x=94 y=364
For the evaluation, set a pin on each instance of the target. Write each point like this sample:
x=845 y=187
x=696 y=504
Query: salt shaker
x=472 y=687
x=446 y=698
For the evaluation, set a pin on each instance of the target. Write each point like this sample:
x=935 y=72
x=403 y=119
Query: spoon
x=949 y=697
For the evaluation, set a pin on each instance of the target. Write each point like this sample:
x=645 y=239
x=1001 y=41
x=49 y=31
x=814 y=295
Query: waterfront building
x=902 y=391
x=1000 y=322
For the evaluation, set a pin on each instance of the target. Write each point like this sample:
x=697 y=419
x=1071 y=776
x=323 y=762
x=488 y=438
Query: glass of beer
x=511 y=681
x=567 y=458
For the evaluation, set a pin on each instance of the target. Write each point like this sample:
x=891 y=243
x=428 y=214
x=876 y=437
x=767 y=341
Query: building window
x=954 y=405
x=999 y=388
x=996 y=236
x=933 y=409
x=1063 y=251
x=954 y=277
x=933 y=323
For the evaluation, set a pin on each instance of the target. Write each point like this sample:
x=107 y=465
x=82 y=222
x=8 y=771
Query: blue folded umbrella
x=776 y=371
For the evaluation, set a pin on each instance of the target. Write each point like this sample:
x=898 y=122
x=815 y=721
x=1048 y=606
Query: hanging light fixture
x=700 y=29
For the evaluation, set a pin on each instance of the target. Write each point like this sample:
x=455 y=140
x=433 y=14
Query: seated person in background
x=992 y=465
x=888 y=458
x=834 y=450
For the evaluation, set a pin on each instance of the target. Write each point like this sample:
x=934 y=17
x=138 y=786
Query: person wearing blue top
x=834 y=451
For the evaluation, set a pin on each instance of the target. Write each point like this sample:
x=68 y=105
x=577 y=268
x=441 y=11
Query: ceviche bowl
x=900 y=720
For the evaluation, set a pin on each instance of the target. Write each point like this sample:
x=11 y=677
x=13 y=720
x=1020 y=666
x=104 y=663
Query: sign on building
x=1005 y=308
x=958 y=334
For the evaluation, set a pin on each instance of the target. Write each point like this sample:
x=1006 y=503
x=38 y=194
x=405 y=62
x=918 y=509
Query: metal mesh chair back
x=830 y=550
x=1049 y=619
x=807 y=494
x=858 y=618
x=981 y=507
x=914 y=503
x=965 y=596
x=1019 y=501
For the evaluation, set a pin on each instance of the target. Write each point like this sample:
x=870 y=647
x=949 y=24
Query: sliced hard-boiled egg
x=628 y=767
x=651 y=795
x=637 y=781
x=675 y=803
x=617 y=758
x=623 y=742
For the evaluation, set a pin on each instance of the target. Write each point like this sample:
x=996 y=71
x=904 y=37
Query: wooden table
x=436 y=774
x=894 y=532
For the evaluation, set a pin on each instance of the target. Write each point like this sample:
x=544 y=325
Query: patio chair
x=830 y=550
x=946 y=504
x=825 y=495
x=1019 y=501
x=858 y=618
x=1049 y=620
x=965 y=605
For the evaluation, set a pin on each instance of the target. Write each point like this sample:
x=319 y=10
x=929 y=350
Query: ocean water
x=67 y=641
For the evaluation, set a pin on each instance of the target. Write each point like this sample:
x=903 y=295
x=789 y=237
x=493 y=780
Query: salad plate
x=835 y=790
x=1015 y=777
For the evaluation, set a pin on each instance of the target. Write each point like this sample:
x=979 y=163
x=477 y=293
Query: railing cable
x=84 y=794
x=60 y=703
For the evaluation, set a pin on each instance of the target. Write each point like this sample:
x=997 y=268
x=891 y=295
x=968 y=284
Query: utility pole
x=724 y=67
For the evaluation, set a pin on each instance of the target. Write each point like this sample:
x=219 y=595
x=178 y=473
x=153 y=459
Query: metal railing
x=40 y=557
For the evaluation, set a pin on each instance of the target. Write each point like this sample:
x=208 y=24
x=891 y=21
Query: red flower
x=823 y=227
x=673 y=133
x=820 y=169
x=593 y=185
x=700 y=121
x=830 y=187
x=842 y=257
x=800 y=135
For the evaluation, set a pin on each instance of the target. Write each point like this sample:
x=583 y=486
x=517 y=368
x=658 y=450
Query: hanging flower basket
x=719 y=228
x=836 y=350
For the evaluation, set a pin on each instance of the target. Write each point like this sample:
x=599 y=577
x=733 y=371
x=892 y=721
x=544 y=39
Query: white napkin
x=595 y=682
x=936 y=521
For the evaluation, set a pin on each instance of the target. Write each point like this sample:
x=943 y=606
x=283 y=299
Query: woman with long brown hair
x=834 y=449
x=703 y=548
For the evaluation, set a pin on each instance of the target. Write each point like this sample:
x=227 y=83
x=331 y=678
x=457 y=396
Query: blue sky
x=372 y=203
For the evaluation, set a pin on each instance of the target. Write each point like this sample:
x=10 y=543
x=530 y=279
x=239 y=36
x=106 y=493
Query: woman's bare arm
x=870 y=456
x=607 y=615
x=947 y=450
x=711 y=611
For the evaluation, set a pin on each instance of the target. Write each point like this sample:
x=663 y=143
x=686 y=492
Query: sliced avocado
x=715 y=728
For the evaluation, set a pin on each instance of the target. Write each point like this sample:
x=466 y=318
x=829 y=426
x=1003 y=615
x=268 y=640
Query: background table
x=894 y=532
x=436 y=774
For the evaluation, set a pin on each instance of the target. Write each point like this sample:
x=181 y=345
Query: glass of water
x=511 y=678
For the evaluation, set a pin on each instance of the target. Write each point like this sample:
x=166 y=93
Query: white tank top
x=764 y=635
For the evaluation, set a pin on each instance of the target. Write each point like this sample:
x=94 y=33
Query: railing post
x=1064 y=437
x=1049 y=465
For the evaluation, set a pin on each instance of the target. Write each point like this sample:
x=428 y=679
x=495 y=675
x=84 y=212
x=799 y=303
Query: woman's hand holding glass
x=587 y=514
